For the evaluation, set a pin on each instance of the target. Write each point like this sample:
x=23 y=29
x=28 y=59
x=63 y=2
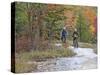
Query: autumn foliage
x=38 y=25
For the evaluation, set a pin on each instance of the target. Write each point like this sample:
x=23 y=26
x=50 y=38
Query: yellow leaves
x=92 y=29
x=90 y=15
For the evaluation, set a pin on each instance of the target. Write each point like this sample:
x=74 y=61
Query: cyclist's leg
x=62 y=39
x=76 y=43
x=65 y=39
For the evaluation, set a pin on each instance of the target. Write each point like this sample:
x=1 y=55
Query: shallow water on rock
x=85 y=59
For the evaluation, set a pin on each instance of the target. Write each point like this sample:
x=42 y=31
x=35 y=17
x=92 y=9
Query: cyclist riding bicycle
x=64 y=34
x=75 y=38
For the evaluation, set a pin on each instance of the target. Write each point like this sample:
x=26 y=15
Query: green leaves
x=83 y=28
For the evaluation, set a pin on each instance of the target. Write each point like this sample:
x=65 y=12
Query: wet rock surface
x=85 y=59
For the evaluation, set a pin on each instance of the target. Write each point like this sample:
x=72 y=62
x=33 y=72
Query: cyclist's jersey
x=75 y=35
x=64 y=33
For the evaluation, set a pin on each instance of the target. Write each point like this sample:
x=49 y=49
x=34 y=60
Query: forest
x=37 y=25
x=38 y=28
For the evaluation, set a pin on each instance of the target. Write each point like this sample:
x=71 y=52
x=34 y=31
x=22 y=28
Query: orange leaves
x=70 y=18
x=90 y=15
x=52 y=7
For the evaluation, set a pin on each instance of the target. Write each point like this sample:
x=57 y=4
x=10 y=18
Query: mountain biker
x=75 y=38
x=64 y=35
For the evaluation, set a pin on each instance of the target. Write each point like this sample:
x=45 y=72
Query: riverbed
x=85 y=58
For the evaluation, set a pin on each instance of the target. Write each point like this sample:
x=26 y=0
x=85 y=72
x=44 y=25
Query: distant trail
x=85 y=59
x=88 y=57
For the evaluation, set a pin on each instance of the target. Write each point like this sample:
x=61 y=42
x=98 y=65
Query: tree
x=83 y=28
x=29 y=24
x=54 y=20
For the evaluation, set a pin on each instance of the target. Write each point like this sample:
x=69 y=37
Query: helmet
x=64 y=28
x=75 y=29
